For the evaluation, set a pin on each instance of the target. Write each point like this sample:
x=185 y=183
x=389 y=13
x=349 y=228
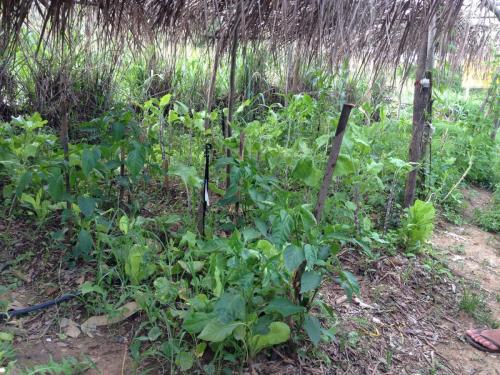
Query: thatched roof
x=379 y=32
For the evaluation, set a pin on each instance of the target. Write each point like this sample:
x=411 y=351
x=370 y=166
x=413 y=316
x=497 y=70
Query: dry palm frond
x=375 y=32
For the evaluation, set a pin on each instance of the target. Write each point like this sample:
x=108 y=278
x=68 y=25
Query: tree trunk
x=332 y=160
x=420 y=102
x=491 y=5
x=494 y=131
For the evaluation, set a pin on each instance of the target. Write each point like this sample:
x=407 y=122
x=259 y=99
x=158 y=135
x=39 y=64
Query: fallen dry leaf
x=93 y=322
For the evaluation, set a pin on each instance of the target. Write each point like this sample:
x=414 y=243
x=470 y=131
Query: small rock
x=70 y=328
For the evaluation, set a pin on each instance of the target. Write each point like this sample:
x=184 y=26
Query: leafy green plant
x=489 y=218
x=418 y=225
x=68 y=366
x=7 y=352
x=37 y=204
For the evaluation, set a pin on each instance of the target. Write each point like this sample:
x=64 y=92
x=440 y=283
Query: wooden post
x=332 y=159
x=210 y=98
x=230 y=105
x=122 y=176
x=64 y=136
x=419 y=108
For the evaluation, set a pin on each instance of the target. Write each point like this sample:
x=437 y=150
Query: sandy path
x=474 y=255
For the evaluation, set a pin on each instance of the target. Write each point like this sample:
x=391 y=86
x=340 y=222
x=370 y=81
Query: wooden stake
x=122 y=175
x=64 y=136
x=230 y=109
x=210 y=98
x=332 y=159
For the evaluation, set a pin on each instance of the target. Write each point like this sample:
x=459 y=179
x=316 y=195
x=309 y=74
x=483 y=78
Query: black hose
x=18 y=312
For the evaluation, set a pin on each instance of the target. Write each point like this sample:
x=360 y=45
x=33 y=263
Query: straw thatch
x=379 y=32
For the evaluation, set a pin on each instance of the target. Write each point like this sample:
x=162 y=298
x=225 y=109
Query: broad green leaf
x=187 y=174
x=30 y=150
x=165 y=291
x=306 y=172
x=322 y=140
x=87 y=205
x=194 y=321
x=165 y=99
x=310 y=280
x=88 y=287
x=56 y=187
x=84 y=244
x=192 y=266
x=124 y=224
x=267 y=248
x=29 y=199
x=293 y=257
x=311 y=254
x=284 y=307
x=279 y=333
x=344 y=166
x=282 y=228
x=117 y=131
x=170 y=348
x=240 y=332
x=189 y=238
x=325 y=251
x=349 y=283
x=261 y=325
x=216 y=331
x=350 y=206
x=199 y=349
x=172 y=116
x=398 y=162
x=313 y=328
x=135 y=162
x=250 y=234
x=89 y=160
x=230 y=307
x=184 y=360
x=307 y=217
x=154 y=333
x=23 y=182
x=218 y=282
x=138 y=266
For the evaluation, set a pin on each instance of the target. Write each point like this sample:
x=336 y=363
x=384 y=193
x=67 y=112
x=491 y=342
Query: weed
x=459 y=249
x=68 y=365
x=475 y=305
x=489 y=218
x=418 y=225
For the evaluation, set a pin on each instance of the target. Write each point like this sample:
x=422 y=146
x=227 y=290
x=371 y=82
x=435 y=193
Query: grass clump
x=475 y=305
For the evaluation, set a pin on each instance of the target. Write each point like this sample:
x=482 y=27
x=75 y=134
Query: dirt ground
x=474 y=255
x=406 y=319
